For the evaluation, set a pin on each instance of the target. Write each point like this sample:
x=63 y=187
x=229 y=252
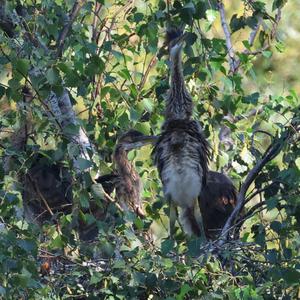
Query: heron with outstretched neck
x=181 y=152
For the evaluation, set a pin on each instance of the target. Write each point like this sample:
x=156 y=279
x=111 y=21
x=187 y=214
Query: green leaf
x=148 y=104
x=253 y=98
x=83 y=163
x=278 y=4
x=52 y=76
x=138 y=17
x=96 y=277
x=276 y=226
x=184 y=290
x=95 y=66
x=97 y=190
x=57 y=242
x=291 y=276
x=194 y=247
x=23 y=66
x=73 y=150
x=143 y=127
x=167 y=246
x=272 y=203
x=267 y=54
x=26 y=245
x=71 y=129
x=187 y=13
x=84 y=199
x=124 y=74
x=236 y=23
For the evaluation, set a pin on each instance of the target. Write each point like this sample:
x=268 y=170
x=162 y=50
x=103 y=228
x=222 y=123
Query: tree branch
x=230 y=50
x=272 y=151
x=60 y=107
x=63 y=34
x=145 y=75
x=254 y=32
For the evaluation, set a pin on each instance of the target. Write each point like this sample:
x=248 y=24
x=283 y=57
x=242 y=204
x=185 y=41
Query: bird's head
x=174 y=41
x=175 y=38
x=134 y=139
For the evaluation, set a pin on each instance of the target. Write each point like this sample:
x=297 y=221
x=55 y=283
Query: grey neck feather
x=179 y=102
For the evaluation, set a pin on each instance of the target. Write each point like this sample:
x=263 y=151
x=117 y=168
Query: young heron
x=47 y=190
x=181 y=152
x=217 y=201
x=126 y=180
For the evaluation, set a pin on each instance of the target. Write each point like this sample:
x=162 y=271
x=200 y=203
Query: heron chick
x=217 y=201
x=128 y=183
x=181 y=152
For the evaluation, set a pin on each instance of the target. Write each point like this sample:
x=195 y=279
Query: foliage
x=112 y=63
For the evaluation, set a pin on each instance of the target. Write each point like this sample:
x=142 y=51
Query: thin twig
x=254 y=32
x=251 y=212
x=257 y=192
x=96 y=19
x=63 y=34
x=40 y=194
x=113 y=201
x=145 y=75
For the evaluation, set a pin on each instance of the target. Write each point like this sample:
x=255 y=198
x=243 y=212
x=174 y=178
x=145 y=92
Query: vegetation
x=104 y=61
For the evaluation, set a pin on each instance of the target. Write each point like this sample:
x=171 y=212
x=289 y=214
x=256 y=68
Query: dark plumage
x=46 y=182
x=217 y=201
x=181 y=153
x=108 y=182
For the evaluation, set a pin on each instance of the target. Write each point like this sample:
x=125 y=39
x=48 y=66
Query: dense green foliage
x=117 y=81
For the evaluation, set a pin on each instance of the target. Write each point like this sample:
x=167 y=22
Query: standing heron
x=181 y=152
x=126 y=179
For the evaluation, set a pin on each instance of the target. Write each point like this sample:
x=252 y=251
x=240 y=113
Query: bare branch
x=112 y=200
x=63 y=34
x=96 y=19
x=230 y=50
x=145 y=75
x=252 y=211
x=254 y=32
x=272 y=151
x=257 y=192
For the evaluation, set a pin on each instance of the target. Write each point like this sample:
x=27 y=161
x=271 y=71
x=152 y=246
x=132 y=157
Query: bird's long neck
x=124 y=167
x=179 y=102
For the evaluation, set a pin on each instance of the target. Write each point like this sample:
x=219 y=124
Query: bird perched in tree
x=181 y=152
x=126 y=180
x=217 y=201
x=47 y=189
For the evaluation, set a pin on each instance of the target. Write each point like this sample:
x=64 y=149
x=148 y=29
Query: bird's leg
x=199 y=219
x=172 y=216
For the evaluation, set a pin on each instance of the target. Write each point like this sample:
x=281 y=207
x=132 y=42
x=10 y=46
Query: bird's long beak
x=141 y=141
x=168 y=45
x=178 y=41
